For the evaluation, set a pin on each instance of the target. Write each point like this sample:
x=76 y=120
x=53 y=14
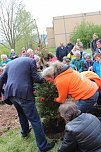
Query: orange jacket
x=74 y=84
x=93 y=76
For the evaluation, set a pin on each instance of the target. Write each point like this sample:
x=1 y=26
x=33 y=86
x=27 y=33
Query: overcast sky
x=44 y=10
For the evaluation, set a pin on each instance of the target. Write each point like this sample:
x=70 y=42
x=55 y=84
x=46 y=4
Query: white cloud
x=44 y=10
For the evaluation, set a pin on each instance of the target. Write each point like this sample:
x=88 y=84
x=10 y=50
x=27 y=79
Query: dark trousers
x=99 y=98
x=27 y=111
x=87 y=104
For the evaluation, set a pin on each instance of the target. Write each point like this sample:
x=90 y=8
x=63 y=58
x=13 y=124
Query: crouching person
x=82 y=131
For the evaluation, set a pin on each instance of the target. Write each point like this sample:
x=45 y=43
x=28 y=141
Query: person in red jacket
x=72 y=83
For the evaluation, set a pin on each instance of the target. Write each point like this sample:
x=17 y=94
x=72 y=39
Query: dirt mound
x=8 y=118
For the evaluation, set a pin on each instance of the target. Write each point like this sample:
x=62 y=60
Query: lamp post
x=39 y=40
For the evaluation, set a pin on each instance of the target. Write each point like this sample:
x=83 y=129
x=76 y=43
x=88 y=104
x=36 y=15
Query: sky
x=44 y=10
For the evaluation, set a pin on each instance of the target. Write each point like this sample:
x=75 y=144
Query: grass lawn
x=13 y=142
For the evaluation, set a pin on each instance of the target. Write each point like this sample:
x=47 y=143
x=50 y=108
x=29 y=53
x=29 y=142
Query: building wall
x=51 y=38
x=63 y=26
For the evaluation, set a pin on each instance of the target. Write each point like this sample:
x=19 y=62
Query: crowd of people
x=76 y=74
x=80 y=59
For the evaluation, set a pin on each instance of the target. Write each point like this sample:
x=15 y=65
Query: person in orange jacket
x=94 y=77
x=72 y=83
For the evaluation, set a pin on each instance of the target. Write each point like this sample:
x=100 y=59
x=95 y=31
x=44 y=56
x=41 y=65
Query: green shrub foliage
x=85 y=32
x=48 y=108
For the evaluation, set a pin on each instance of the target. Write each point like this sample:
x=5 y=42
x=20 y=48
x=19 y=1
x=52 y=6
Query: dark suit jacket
x=19 y=76
x=61 y=52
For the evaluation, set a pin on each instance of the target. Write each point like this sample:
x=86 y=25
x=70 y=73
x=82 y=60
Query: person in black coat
x=88 y=64
x=82 y=131
x=20 y=75
x=69 y=47
x=61 y=51
x=93 y=44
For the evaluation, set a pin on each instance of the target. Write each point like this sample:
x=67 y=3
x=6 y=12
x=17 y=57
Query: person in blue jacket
x=97 y=64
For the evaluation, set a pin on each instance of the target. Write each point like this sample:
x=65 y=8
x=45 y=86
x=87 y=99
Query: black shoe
x=26 y=135
x=49 y=147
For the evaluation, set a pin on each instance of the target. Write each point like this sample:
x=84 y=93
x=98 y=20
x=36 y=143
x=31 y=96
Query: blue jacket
x=19 y=76
x=83 y=134
x=97 y=68
x=5 y=62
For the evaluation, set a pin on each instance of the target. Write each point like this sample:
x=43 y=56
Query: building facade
x=63 y=26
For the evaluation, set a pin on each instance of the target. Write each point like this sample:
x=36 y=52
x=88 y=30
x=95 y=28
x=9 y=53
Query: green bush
x=4 y=50
x=85 y=32
x=46 y=93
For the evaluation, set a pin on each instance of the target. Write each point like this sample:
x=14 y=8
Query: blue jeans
x=87 y=104
x=27 y=111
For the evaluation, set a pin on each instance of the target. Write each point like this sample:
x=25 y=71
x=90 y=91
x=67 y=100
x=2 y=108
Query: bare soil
x=8 y=118
x=9 y=121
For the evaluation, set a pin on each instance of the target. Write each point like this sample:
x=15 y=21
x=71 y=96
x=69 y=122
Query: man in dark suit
x=19 y=76
x=61 y=51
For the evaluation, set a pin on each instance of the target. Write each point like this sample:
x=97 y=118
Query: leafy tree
x=85 y=31
x=16 y=24
x=27 y=28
